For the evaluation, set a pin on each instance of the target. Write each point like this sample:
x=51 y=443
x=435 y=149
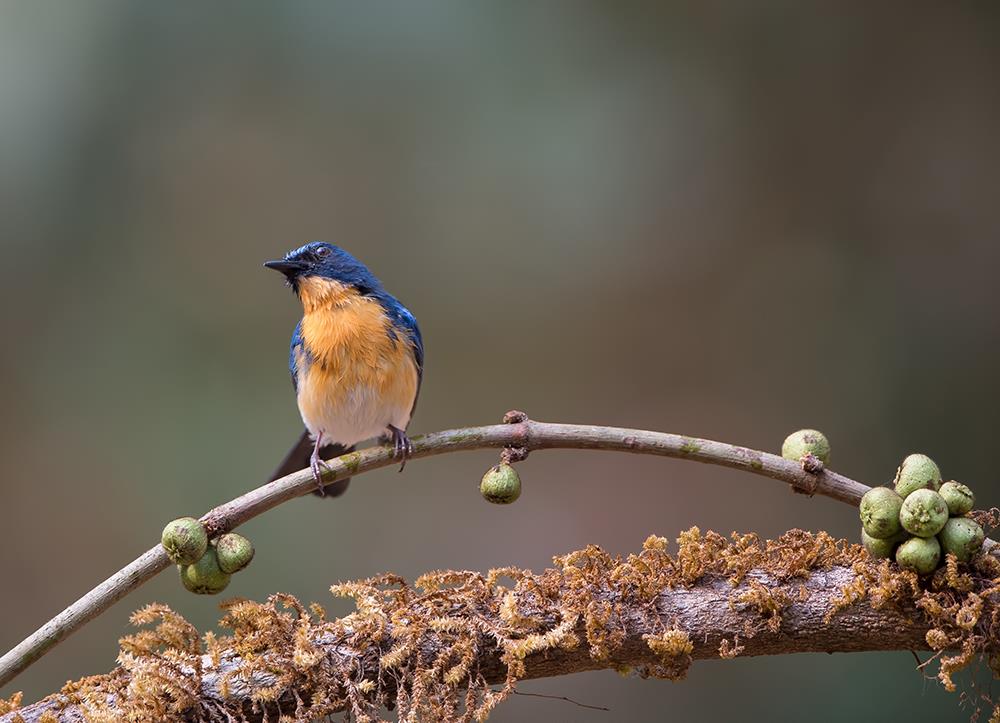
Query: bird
x=356 y=360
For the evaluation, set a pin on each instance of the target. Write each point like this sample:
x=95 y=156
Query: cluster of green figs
x=205 y=566
x=920 y=519
x=917 y=521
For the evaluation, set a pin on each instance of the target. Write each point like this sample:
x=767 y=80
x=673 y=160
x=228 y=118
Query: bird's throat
x=318 y=294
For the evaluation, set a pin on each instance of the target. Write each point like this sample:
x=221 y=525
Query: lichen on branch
x=454 y=644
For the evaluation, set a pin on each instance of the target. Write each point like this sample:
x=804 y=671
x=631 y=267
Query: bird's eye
x=322 y=251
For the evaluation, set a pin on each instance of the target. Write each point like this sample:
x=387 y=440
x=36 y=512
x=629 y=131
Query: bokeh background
x=724 y=220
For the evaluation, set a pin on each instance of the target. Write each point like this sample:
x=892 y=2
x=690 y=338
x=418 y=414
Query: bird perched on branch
x=356 y=360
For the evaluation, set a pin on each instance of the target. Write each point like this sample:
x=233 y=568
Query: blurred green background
x=724 y=220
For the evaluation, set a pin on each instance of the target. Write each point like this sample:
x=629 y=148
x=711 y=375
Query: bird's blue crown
x=319 y=258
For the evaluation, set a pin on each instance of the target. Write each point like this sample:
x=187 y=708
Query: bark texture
x=712 y=615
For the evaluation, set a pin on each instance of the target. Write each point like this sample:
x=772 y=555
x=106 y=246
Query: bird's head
x=320 y=270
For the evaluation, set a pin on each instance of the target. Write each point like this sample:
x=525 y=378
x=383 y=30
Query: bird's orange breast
x=357 y=371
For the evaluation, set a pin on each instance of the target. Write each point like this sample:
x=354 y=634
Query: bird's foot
x=318 y=466
x=402 y=448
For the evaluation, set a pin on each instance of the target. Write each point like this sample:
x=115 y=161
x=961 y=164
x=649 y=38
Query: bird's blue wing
x=405 y=324
x=293 y=351
x=409 y=323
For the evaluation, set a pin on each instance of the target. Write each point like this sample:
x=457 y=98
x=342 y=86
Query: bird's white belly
x=352 y=415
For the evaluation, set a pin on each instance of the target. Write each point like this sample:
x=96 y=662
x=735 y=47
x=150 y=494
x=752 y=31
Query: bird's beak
x=286 y=266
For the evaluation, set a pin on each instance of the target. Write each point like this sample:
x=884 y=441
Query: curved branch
x=520 y=432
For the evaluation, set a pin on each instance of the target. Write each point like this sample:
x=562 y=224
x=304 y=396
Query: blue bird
x=356 y=360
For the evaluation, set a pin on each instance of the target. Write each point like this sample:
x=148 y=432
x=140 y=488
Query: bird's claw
x=402 y=447
x=317 y=466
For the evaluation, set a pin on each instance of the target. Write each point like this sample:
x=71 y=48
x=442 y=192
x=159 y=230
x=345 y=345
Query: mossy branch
x=438 y=649
x=517 y=432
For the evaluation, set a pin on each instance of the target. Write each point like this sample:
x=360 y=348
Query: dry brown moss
x=8 y=705
x=418 y=648
x=674 y=648
x=766 y=601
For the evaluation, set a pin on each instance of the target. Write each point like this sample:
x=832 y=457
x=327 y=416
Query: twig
x=519 y=433
x=562 y=698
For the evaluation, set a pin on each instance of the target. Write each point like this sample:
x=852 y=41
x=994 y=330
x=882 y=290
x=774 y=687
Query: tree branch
x=589 y=613
x=518 y=432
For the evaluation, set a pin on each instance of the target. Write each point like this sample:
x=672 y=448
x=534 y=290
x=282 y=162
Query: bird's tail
x=298 y=458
